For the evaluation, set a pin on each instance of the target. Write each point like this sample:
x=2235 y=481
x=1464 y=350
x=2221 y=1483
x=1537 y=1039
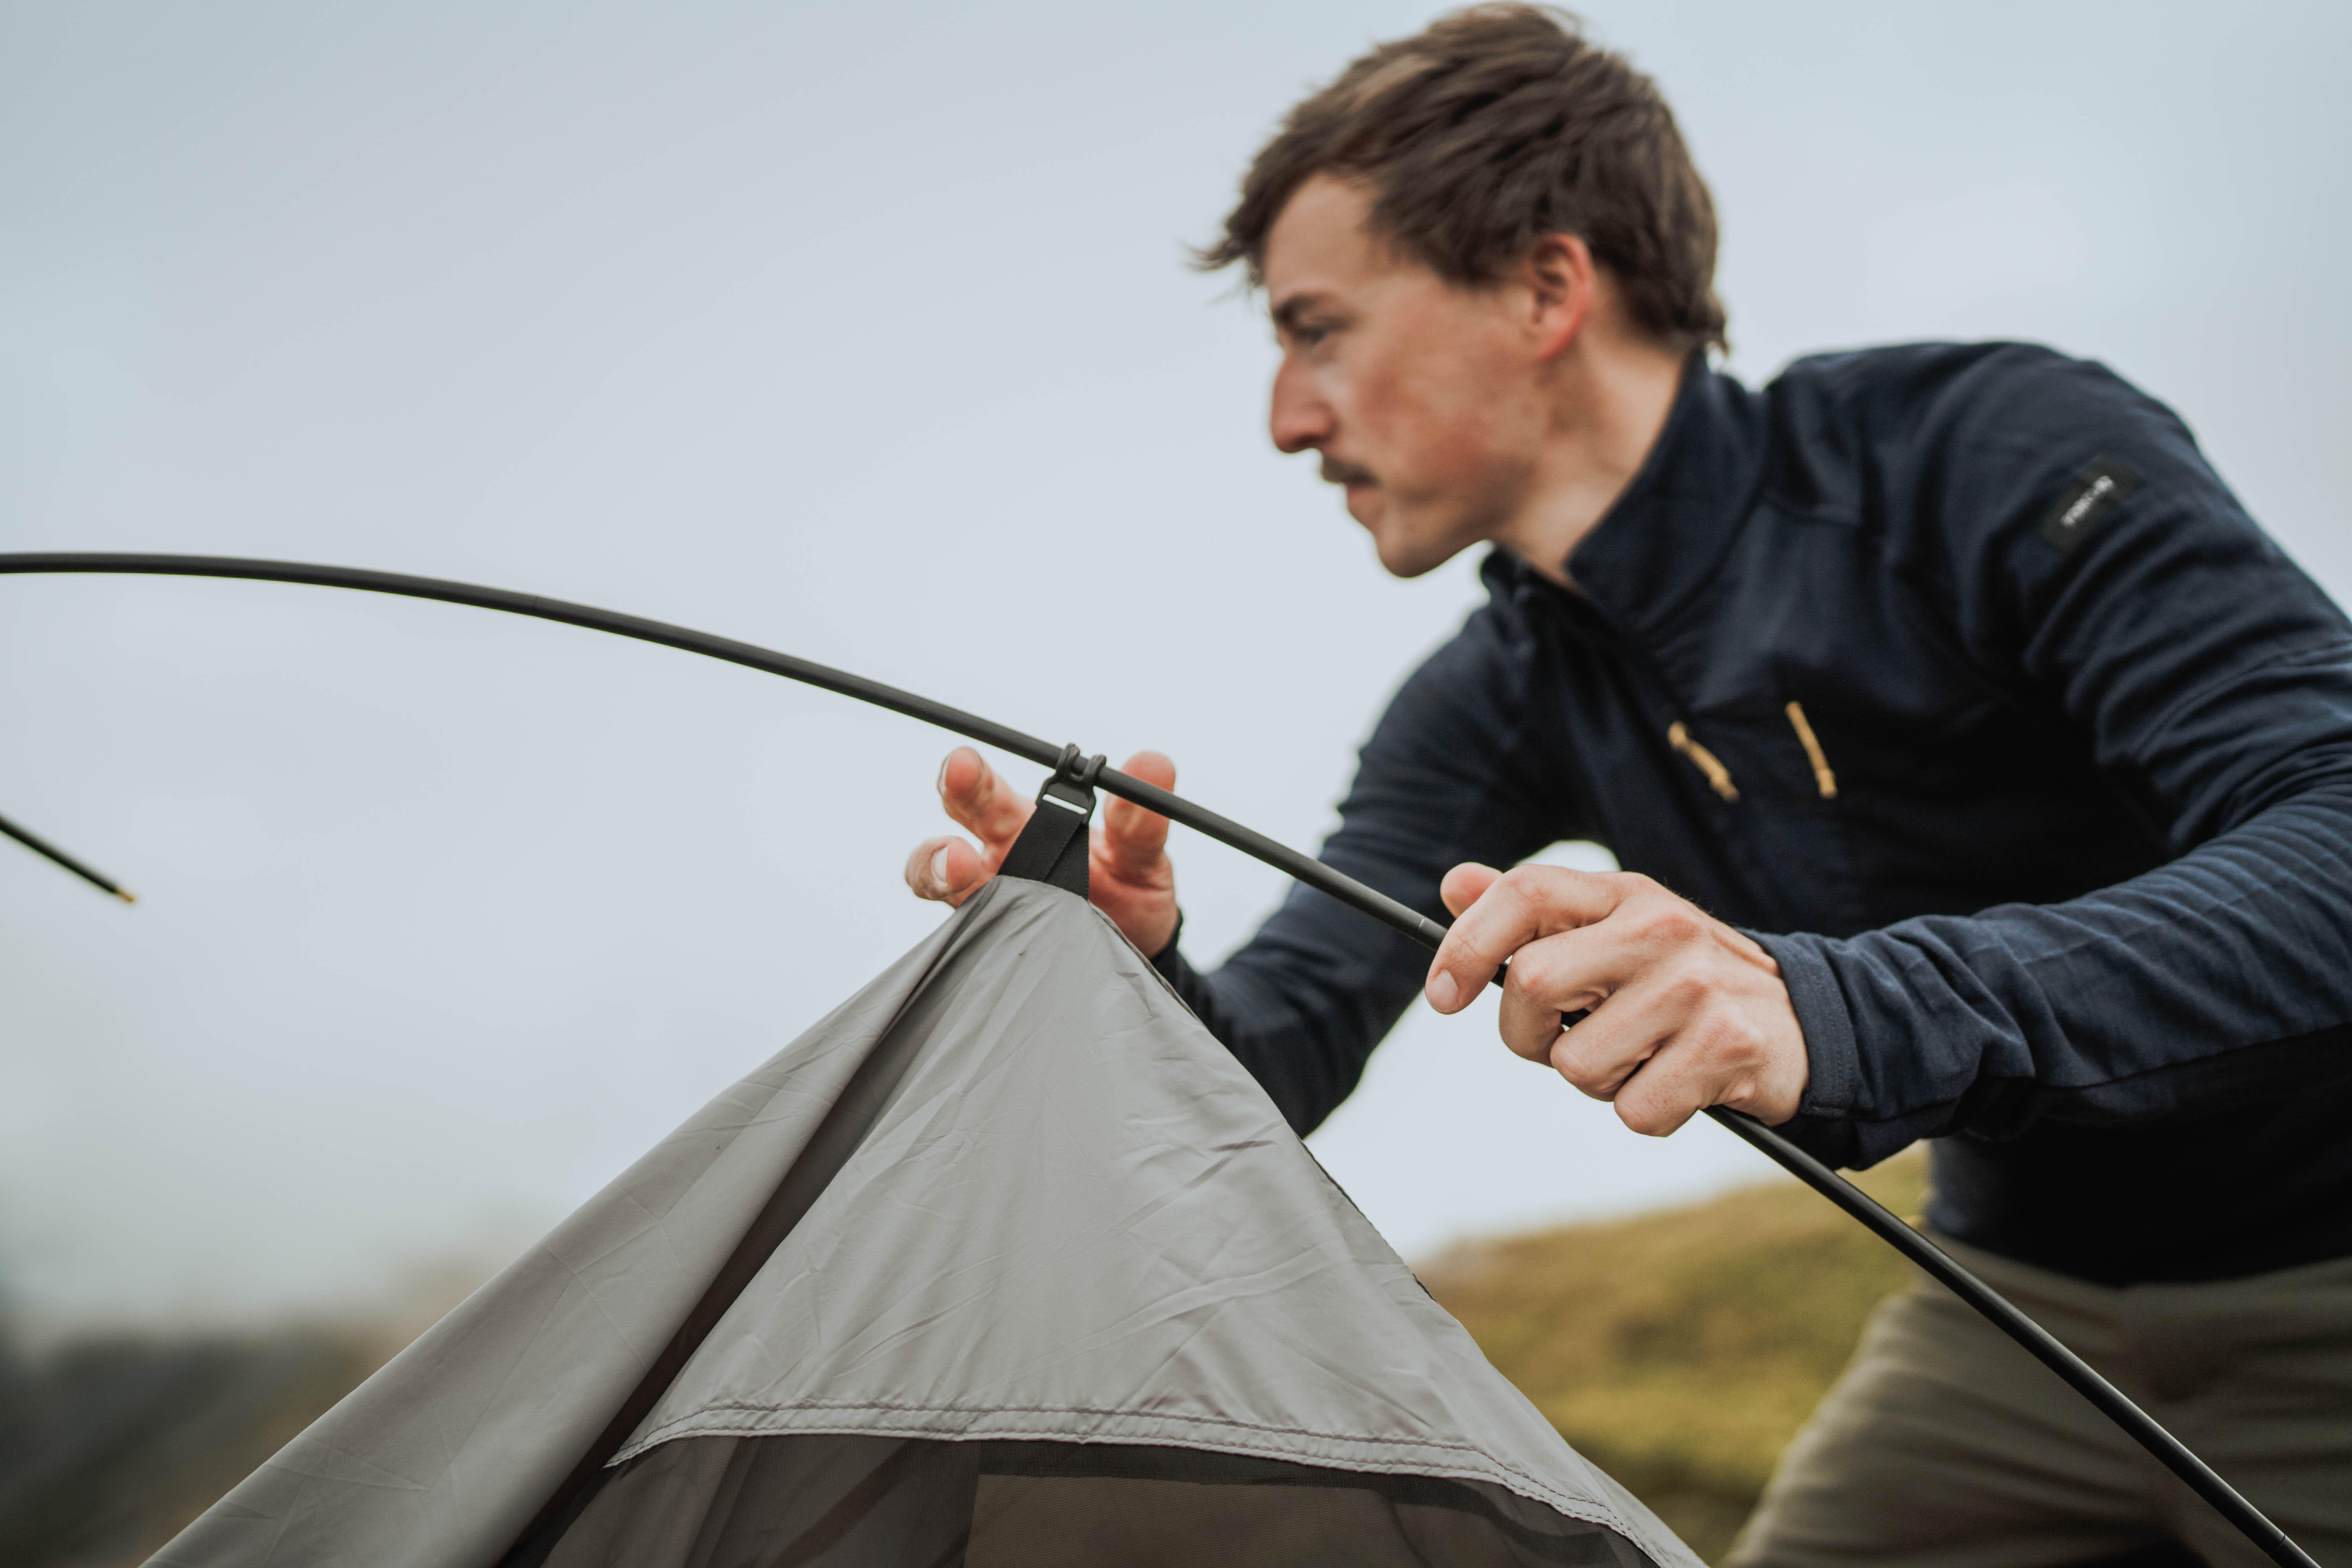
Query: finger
x=1514 y=908
x=945 y=870
x=1712 y=1054
x=1135 y=840
x=1555 y=974
x=1624 y=1038
x=980 y=800
x=1664 y=1092
x=1465 y=883
x=1532 y=1033
x=1571 y=971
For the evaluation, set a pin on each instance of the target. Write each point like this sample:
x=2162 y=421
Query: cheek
x=1437 y=413
x=1435 y=435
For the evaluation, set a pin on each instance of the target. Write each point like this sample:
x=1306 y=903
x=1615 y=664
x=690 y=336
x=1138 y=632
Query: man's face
x=1420 y=395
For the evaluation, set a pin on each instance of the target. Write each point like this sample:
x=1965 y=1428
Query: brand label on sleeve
x=2089 y=502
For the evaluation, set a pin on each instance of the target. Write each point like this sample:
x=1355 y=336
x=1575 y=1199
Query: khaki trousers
x=1944 y=1445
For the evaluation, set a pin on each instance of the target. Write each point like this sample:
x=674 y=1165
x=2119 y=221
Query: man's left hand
x=1685 y=1012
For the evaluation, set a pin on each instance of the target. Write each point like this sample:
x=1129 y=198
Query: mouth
x=1335 y=472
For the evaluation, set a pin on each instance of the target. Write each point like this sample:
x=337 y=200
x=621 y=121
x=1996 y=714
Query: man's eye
x=1311 y=335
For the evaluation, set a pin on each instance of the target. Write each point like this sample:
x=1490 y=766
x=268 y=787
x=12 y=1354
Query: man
x=1981 y=772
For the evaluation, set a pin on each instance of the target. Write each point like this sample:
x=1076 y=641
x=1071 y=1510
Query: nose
x=1299 y=419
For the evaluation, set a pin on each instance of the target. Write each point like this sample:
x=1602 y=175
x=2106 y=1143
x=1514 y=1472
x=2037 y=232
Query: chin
x=1406 y=552
x=1411 y=557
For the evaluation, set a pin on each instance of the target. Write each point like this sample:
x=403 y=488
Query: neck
x=1610 y=403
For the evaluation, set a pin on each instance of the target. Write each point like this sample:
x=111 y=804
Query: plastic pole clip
x=1052 y=849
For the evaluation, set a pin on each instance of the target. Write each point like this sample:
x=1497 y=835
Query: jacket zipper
x=1823 y=780
x=1678 y=736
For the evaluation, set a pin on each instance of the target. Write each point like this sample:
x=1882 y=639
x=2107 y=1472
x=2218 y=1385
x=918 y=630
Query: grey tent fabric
x=1075 y=1227
x=818 y=1499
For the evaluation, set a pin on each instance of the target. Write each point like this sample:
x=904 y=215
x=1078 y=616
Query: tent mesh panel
x=837 y=1501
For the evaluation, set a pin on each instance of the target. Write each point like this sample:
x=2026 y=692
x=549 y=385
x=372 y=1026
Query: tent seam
x=673 y=1430
x=1491 y=1469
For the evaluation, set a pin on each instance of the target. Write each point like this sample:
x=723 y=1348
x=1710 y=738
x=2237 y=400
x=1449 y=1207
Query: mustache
x=1336 y=472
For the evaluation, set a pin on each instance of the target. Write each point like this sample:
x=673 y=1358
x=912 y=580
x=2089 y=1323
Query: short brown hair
x=1496 y=126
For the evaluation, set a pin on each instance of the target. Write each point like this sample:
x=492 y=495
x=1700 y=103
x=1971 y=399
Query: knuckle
x=1592 y=1090
x=1529 y=887
x=1685 y=989
x=1526 y=1040
x=1535 y=972
x=1644 y=1118
x=1473 y=965
x=1727 y=1040
x=1670 y=923
x=1578 y=1069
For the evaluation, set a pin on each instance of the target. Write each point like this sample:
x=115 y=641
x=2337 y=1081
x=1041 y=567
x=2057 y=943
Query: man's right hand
x=1127 y=873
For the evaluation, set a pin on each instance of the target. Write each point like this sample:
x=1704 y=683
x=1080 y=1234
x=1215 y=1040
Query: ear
x=1562 y=282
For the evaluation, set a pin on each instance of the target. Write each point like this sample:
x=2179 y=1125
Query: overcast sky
x=863 y=332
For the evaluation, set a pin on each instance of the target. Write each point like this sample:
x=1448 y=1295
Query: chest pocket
x=1772 y=770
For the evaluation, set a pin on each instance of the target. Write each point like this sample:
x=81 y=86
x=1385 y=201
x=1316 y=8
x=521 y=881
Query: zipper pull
x=1823 y=780
x=1678 y=737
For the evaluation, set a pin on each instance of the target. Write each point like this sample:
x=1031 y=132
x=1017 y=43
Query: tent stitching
x=1529 y=1486
x=1057 y=1410
x=668 y=1431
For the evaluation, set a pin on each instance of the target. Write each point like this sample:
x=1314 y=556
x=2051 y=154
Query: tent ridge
x=1221 y=1433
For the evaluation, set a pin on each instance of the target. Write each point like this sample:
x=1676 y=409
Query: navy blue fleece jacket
x=1956 y=675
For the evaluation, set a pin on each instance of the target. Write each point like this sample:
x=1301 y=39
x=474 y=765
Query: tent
x=1055 y=1285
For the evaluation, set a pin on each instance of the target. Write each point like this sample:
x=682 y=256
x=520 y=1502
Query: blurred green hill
x=1680 y=1350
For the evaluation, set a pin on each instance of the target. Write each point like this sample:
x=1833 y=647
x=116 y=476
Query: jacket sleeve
x=1446 y=777
x=2211 y=681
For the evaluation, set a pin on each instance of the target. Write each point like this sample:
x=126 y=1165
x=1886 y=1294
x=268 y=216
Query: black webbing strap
x=1052 y=847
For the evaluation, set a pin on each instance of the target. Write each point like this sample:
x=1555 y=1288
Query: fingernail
x=941 y=782
x=1442 y=992
x=939 y=869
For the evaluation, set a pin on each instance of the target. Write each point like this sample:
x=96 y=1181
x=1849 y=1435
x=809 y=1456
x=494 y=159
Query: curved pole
x=42 y=847
x=1281 y=857
x=1941 y=1266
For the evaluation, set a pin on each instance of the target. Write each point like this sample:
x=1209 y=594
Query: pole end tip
x=126 y=895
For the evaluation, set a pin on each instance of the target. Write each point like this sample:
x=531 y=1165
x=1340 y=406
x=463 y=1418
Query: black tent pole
x=48 y=850
x=1941 y=1266
x=1304 y=868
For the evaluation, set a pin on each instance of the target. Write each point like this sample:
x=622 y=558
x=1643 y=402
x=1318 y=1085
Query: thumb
x=1466 y=884
x=1135 y=841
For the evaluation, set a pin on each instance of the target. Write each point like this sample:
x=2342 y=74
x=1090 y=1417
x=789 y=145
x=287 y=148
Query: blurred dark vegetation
x=112 y=1443
x=1678 y=1350
x=1681 y=1350
x=108 y=1445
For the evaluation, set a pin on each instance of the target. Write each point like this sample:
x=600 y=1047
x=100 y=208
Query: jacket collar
x=1660 y=543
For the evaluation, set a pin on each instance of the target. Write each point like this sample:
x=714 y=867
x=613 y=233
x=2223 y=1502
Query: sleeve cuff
x=1166 y=960
x=1833 y=1076
x=1172 y=968
x=1182 y=977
